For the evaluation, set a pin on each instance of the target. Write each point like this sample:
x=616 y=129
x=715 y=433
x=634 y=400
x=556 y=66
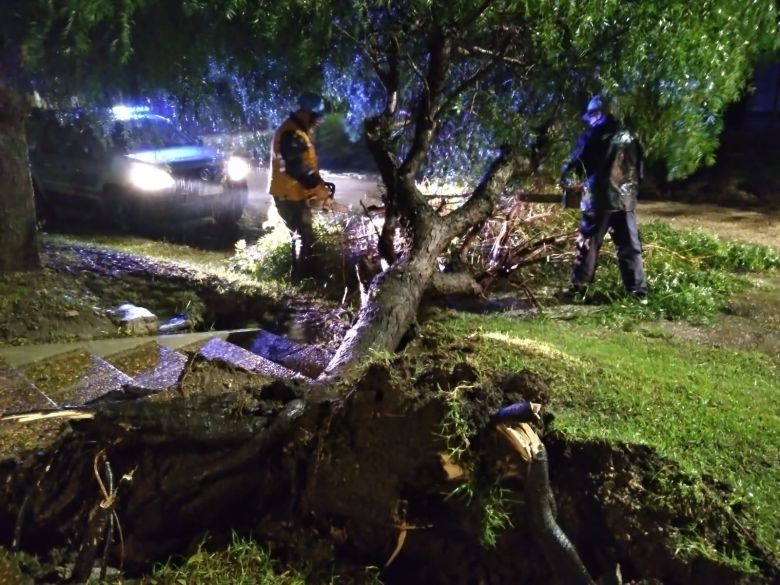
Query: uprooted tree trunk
x=394 y=296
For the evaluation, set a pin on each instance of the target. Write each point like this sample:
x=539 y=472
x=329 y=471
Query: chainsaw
x=329 y=204
x=570 y=199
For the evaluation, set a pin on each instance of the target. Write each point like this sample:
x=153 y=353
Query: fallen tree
x=355 y=457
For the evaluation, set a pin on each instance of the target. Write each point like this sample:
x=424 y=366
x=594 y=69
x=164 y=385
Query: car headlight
x=237 y=168
x=150 y=178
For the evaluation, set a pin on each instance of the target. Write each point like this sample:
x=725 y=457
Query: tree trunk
x=18 y=230
x=392 y=303
x=395 y=295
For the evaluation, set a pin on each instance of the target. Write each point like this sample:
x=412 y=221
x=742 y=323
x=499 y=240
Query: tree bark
x=391 y=308
x=18 y=229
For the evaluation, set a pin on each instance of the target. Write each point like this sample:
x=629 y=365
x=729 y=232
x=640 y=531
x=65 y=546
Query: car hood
x=175 y=154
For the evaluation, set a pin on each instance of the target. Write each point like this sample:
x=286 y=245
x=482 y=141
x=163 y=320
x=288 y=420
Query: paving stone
x=18 y=394
x=220 y=350
x=152 y=366
x=76 y=377
x=309 y=360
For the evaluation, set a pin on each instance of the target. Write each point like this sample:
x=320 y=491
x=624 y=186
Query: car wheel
x=45 y=213
x=120 y=209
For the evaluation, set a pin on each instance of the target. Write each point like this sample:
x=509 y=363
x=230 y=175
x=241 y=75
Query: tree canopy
x=514 y=71
x=442 y=89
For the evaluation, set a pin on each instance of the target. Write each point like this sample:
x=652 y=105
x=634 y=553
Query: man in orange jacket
x=296 y=184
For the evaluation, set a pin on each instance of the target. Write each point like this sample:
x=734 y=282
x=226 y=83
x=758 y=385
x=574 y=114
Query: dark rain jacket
x=610 y=157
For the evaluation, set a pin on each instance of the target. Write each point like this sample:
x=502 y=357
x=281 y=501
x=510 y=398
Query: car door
x=48 y=167
x=89 y=167
x=82 y=161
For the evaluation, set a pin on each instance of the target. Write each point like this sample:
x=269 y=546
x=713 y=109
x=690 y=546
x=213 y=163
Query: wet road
x=350 y=190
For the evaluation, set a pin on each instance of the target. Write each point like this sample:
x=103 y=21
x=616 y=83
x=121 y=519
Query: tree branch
x=499 y=55
x=470 y=81
x=425 y=123
x=482 y=202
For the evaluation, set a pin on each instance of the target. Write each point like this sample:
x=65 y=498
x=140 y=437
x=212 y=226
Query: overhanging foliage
x=516 y=71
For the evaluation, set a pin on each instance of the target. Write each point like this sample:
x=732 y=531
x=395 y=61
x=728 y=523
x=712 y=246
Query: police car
x=132 y=168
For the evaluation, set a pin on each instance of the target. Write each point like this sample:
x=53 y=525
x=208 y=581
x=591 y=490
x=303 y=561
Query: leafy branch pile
x=691 y=274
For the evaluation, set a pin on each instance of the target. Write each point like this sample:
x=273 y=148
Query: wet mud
x=402 y=470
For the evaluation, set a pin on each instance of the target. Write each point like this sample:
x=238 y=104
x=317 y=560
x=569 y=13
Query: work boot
x=573 y=292
x=639 y=296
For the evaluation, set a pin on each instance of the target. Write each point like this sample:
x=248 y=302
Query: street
x=350 y=190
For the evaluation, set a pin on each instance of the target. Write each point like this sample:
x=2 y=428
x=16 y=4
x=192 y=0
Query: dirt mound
x=402 y=470
x=70 y=299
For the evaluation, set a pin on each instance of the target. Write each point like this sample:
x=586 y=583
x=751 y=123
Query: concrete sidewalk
x=17 y=356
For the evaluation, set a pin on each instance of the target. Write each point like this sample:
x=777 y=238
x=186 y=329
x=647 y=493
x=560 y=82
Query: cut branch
x=454 y=283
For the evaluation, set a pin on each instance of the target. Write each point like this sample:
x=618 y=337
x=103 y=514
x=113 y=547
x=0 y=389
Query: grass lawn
x=713 y=410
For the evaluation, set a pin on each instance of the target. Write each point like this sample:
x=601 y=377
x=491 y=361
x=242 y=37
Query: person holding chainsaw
x=610 y=158
x=296 y=185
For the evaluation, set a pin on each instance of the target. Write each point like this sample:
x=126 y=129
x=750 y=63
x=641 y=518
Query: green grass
x=712 y=410
x=456 y=429
x=204 y=264
x=270 y=258
x=242 y=563
x=690 y=276
x=493 y=500
x=149 y=248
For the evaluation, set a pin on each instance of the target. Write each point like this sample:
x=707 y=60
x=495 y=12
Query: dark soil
x=345 y=477
x=46 y=306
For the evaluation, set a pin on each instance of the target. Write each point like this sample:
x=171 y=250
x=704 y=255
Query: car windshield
x=146 y=133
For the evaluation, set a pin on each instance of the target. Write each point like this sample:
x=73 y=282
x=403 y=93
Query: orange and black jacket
x=294 y=168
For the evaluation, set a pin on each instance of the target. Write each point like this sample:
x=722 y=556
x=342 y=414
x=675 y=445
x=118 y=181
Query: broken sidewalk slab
x=310 y=360
x=223 y=351
x=151 y=366
x=18 y=356
x=18 y=394
x=76 y=377
x=134 y=320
